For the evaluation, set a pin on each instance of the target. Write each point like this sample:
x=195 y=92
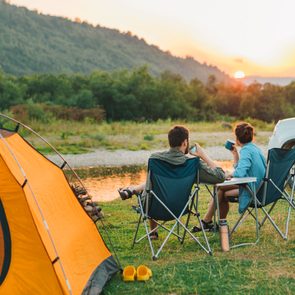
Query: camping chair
x=171 y=192
x=278 y=184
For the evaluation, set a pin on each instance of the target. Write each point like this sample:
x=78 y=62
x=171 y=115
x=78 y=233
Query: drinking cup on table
x=229 y=144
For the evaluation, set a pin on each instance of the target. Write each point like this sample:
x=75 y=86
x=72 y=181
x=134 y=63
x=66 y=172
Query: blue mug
x=229 y=144
x=193 y=149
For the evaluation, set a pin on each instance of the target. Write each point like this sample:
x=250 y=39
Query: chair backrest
x=172 y=184
x=279 y=163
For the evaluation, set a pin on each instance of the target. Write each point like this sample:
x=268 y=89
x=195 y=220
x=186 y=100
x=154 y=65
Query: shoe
x=136 y=209
x=207 y=226
x=129 y=273
x=125 y=193
x=154 y=235
x=143 y=273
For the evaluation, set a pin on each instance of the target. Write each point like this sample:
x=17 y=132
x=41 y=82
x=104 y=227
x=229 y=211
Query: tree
x=10 y=93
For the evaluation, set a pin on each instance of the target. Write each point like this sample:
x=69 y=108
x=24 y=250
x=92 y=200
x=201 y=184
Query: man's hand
x=199 y=151
x=201 y=154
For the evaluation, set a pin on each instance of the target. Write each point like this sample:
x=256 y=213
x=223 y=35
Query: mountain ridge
x=36 y=43
x=276 y=80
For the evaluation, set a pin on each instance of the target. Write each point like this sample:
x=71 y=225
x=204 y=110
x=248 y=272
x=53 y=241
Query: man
x=209 y=172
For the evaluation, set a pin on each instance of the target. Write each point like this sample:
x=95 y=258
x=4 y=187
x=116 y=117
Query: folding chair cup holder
x=171 y=193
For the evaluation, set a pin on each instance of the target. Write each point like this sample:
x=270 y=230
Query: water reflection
x=104 y=188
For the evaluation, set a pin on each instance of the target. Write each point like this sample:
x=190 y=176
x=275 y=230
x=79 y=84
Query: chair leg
x=274 y=224
x=243 y=217
x=287 y=222
x=252 y=215
x=187 y=220
x=290 y=207
x=257 y=219
x=171 y=231
x=149 y=238
x=204 y=235
x=216 y=205
x=136 y=232
x=165 y=241
x=269 y=211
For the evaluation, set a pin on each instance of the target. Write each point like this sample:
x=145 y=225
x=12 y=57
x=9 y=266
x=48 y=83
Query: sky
x=253 y=36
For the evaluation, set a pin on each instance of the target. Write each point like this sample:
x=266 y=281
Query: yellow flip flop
x=129 y=273
x=143 y=273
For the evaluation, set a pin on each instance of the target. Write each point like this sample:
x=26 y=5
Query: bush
x=30 y=111
x=44 y=113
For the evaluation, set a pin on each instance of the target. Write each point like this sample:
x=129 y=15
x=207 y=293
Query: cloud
x=239 y=60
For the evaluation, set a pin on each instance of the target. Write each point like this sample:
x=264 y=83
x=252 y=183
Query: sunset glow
x=257 y=36
x=239 y=75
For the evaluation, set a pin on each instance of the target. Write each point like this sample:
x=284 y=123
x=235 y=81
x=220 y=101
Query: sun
x=239 y=75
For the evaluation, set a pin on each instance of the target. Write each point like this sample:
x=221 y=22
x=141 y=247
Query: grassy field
x=267 y=268
x=80 y=137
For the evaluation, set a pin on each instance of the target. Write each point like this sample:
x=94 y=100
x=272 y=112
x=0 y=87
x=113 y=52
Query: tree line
x=137 y=95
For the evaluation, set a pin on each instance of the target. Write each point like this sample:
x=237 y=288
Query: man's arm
x=208 y=171
x=210 y=175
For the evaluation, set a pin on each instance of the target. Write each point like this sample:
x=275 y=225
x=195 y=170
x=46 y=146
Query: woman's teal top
x=251 y=164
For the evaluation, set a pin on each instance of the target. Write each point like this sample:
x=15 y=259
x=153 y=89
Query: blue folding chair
x=171 y=192
x=278 y=184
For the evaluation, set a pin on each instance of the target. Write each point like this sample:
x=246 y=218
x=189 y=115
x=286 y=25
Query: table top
x=240 y=180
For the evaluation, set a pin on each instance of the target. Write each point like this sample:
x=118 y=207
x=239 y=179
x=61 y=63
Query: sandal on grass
x=143 y=273
x=125 y=193
x=154 y=235
x=207 y=226
x=129 y=273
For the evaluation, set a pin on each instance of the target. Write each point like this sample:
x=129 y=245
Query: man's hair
x=177 y=135
x=244 y=132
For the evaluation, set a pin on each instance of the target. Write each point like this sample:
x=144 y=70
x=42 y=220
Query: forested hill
x=37 y=43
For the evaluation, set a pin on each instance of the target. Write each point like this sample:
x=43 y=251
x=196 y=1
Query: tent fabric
x=30 y=270
x=163 y=176
x=102 y=274
x=43 y=212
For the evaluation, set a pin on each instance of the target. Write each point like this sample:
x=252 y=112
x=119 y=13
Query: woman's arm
x=244 y=164
x=235 y=155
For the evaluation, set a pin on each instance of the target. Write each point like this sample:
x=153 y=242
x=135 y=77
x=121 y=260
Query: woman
x=249 y=163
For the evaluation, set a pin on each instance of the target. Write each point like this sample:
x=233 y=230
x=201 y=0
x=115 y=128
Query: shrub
x=44 y=113
x=149 y=137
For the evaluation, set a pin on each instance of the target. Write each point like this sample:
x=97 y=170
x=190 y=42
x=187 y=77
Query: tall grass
x=80 y=137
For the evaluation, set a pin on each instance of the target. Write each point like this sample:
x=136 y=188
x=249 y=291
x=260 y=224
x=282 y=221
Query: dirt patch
x=282 y=271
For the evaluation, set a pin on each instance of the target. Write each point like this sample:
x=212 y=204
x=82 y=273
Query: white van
x=283 y=135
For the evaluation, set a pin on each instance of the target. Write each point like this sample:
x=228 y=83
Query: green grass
x=80 y=137
x=267 y=268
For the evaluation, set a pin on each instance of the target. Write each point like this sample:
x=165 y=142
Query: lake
x=104 y=188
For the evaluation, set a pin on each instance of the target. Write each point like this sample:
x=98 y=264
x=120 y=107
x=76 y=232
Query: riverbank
x=103 y=157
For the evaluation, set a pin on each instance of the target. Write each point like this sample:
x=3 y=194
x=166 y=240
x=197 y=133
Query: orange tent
x=48 y=243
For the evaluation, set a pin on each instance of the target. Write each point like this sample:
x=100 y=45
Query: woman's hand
x=228 y=175
x=235 y=153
